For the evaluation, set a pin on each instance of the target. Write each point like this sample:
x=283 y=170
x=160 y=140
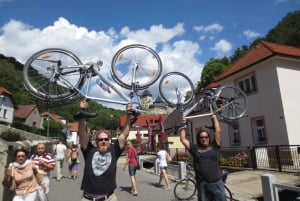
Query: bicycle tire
x=227 y=193
x=52 y=74
x=231 y=103
x=176 y=80
x=185 y=189
x=148 y=71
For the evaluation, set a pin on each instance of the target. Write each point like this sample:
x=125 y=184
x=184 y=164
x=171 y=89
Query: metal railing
x=283 y=158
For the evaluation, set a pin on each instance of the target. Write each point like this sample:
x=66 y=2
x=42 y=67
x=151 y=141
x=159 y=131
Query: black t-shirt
x=206 y=164
x=100 y=169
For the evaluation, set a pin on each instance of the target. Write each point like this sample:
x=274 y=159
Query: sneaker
x=84 y=115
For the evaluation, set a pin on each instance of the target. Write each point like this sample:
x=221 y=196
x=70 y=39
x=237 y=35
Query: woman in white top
x=162 y=155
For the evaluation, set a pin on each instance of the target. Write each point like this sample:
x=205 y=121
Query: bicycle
x=56 y=75
x=185 y=189
x=227 y=101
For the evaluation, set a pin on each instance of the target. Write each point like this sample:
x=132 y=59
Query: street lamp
x=111 y=118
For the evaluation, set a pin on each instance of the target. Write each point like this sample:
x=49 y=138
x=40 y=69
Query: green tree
x=287 y=31
x=55 y=129
x=211 y=70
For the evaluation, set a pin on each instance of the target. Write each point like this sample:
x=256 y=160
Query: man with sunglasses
x=99 y=178
x=206 y=158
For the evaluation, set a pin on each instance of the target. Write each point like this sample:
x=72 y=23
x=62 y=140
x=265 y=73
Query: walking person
x=132 y=163
x=206 y=158
x=22 y=174
x=163 y=156
x=60 y=153
x=44 y=163
x=99 y=178
x=73 y=161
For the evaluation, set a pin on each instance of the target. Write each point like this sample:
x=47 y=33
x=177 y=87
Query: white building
x=6 y=106
x=269 y=74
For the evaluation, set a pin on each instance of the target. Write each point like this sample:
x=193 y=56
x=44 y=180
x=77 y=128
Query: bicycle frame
x=109 y=84
x=54 y=75
x=188 y=111
x=92 y=70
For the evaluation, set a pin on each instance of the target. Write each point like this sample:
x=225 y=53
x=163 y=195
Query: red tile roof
x=261 y=51
x=141 y=121
x=73 y=126
x=54 y=117
x=4 y=91
x=22 y=111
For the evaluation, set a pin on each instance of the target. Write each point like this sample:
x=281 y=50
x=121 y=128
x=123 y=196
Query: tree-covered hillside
x=12 y=79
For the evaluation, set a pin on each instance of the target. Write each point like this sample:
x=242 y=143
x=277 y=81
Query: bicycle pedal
x=84 y=115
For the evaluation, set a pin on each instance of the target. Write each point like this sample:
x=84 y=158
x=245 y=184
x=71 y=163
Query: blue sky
x=185 y=33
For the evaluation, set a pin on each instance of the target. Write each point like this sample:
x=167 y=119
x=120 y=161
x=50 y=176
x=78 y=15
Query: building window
x=34 y=124
x=5 y=114
x=248 y=84
x=235 y=134
x=259 y=131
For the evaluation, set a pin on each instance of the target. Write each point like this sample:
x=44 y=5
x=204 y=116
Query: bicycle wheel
x=136 y=66
x=231 y=103
x=185 y=189
x=227 y=193
x=176 y=89
x=52 y=74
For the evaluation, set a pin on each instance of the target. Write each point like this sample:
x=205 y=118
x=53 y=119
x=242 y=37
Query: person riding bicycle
x=206 y=157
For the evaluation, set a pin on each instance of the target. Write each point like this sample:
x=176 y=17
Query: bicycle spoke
x=231 y=103
x=176 y=89
x=185 y=189
x=136 y=65
x=51 y=74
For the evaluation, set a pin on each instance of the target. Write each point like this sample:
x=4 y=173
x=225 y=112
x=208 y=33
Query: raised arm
x=122 y=138
x=217 y=129
x=82 y=128
x=182 y=134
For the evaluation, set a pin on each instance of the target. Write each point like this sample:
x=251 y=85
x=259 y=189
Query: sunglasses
x=204 y=137
x=102 y=139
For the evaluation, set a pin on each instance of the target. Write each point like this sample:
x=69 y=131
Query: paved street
x=68 y=189
x=245 y=185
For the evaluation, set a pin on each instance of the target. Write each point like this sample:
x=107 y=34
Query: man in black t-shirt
x=99 y=178
x=206 y=158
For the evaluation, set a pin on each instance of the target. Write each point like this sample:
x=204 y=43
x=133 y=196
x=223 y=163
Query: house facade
x=7 y=106
x=28 y=115
x=269 y=75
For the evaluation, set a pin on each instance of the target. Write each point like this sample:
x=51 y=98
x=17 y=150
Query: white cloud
x=21 y=40
x=222 y=48
x=251 y=34
x=212 y=28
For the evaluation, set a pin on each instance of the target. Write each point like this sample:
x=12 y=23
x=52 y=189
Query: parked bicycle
x=229 y=102
x=55 y=75
x=185 y=189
